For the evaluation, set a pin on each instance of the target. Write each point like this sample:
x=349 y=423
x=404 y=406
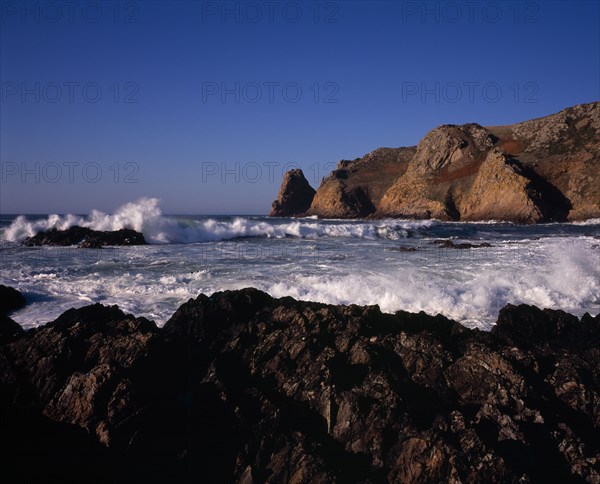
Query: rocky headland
x=243 y=387
x=542 y=170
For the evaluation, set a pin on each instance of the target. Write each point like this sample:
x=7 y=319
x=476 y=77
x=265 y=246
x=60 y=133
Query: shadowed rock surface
x=9 y=330
x=243 y=387
x=86 y=238
x=295 y=195
x=356 y=187
x=10 y=299
x=502 y=190
x=546 y=169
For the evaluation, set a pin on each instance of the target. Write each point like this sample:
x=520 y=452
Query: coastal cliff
x=542 y=170
x=243 y=387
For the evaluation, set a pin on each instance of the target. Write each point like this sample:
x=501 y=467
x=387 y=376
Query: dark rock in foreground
x=9 y=330
x=243 y=387
x=86 y=238
x=10 y=299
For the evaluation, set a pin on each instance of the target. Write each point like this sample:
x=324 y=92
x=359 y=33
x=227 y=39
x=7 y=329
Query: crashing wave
x=145 y=216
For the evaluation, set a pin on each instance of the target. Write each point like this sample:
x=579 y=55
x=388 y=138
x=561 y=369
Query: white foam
x=472 y=294
x=591 y=221
x=469 y=286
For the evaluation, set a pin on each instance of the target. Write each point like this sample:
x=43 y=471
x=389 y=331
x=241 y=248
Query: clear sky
x=205 y=104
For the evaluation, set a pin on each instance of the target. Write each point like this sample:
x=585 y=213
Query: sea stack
x=295 y=195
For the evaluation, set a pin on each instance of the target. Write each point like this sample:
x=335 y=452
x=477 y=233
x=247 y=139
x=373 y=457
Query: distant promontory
x=542 y=170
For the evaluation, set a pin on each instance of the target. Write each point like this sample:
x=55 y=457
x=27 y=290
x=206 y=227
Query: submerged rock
x=449 y=244
x=243 y=387
x=86 y=237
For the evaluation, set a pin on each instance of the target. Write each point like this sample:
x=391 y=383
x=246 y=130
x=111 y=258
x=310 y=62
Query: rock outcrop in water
x=243 y=387
x=546 y=169
x=85 y=237
x=295 y=195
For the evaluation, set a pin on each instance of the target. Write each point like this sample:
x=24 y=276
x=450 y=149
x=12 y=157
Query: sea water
x=396 y=264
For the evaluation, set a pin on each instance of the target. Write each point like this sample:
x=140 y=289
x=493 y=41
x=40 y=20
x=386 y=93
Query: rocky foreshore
x=541 y=170
x=242 y=387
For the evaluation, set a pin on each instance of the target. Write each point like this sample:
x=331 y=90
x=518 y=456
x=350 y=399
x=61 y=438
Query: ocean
x=396 y=264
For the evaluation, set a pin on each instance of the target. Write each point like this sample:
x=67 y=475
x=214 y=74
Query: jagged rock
x=86 y=237
x=295 y=195
x=558 y=155
x=376 y=171
x=451 y=147
x=562 y=149
x=335 y=200
x=356 y=187
x=9 y=330
x=10 y=299
x=442 y=169
x=501 y=191
x=243 y=387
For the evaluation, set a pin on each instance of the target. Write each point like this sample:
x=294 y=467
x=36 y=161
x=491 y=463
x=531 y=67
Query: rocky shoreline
x=541 y=170
x=243 y=387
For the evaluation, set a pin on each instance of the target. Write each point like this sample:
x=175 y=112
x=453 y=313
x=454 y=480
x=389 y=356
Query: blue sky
x=205 y=104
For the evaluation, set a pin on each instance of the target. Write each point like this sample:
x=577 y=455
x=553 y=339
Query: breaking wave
x=145 y=216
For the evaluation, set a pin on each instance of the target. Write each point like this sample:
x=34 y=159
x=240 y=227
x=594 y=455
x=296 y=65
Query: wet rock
x=118 y=237
x=240 y=386
x=404 y=249
x=9 y=330
x=86 y=238
x=449 y=244
x=10 y=299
